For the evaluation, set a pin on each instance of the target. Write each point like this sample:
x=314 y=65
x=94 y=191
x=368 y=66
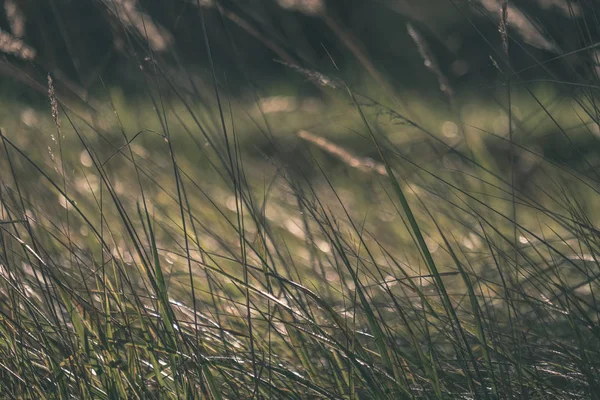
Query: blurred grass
x=315 y=234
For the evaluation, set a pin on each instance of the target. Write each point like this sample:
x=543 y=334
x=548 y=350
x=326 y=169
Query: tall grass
x=196 y=245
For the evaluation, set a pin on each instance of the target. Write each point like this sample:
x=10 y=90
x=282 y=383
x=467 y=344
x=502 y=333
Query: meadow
x=327 y=232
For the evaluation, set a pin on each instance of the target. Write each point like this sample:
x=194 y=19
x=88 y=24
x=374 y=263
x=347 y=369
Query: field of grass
x=331 y=243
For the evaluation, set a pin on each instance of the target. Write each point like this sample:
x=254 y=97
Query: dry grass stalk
x=430 y=61
x=15 y=17
x=53 y=104
x=364 y=164
x=206 y=3
x=521 y=24
x=566 y=7
x=158 y=38
x=308 y=7
x=15 y=46
x=503 y=28
x=313 y=76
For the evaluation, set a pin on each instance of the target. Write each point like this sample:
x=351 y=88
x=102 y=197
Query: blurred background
x=84 y=42
x=445 y=55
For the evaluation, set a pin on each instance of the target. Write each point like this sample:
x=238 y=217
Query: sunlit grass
x=345 y=242
x=309 y=277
